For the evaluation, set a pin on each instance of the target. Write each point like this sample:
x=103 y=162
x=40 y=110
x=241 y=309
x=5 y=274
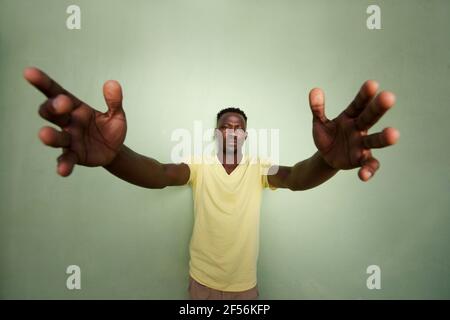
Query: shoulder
x=262 y=161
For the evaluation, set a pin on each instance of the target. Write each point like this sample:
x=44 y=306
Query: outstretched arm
x=343 y=143
x=92 y=138
x=304 y=175
x=147 y=172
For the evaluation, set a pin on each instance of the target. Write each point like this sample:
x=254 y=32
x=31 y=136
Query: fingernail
x=369 y=174
x=56 y=106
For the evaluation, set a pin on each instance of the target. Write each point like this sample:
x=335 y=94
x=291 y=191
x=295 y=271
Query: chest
x=229 y=168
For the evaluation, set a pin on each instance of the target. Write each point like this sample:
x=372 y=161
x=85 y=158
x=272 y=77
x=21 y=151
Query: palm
x=96 y=137
x=344 y=142
x=339 y=142
x=88 y=137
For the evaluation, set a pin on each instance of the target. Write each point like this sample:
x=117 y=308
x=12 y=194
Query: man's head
x=231 y=128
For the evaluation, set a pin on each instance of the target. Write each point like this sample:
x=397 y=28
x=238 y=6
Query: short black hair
x=232 y=109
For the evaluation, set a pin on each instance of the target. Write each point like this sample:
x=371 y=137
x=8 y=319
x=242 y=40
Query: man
x=227 y=187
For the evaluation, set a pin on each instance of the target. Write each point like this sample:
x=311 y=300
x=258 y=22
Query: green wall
x=180 y=61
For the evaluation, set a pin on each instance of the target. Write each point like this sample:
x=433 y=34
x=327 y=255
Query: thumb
x=113 y=96
x=317 y=104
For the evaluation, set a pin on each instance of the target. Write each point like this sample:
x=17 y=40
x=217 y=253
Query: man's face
x=230 y=132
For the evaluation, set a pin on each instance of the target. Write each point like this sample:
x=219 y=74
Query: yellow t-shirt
x=225 y=240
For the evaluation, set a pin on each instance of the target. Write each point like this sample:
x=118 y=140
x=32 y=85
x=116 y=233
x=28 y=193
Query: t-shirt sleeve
x=266 y=168
x=193 y=165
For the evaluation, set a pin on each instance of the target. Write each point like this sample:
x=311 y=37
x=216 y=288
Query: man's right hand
x=88 y=137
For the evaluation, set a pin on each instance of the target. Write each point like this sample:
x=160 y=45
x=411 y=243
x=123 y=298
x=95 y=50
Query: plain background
x=180 y=61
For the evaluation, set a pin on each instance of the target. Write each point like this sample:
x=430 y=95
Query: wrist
x=324 y=163
x=116 y=158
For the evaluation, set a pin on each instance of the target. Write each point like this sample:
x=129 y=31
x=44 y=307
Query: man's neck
x=230 y=159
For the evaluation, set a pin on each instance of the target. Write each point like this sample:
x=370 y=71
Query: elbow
x=294 y=188
x=157 y=186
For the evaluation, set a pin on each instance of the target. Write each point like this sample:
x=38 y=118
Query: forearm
x=138 y=169
x=309 y=173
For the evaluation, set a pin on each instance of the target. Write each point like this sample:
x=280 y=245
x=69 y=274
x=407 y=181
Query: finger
x=43 y=82
x=317 y=104
x=54 y=138
x=57 y=110
x=366 y=93
x=112 y=92
x=368 y=168
x=66 y=162
x=47 y=85
x=387 y=137
x=375 y=110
